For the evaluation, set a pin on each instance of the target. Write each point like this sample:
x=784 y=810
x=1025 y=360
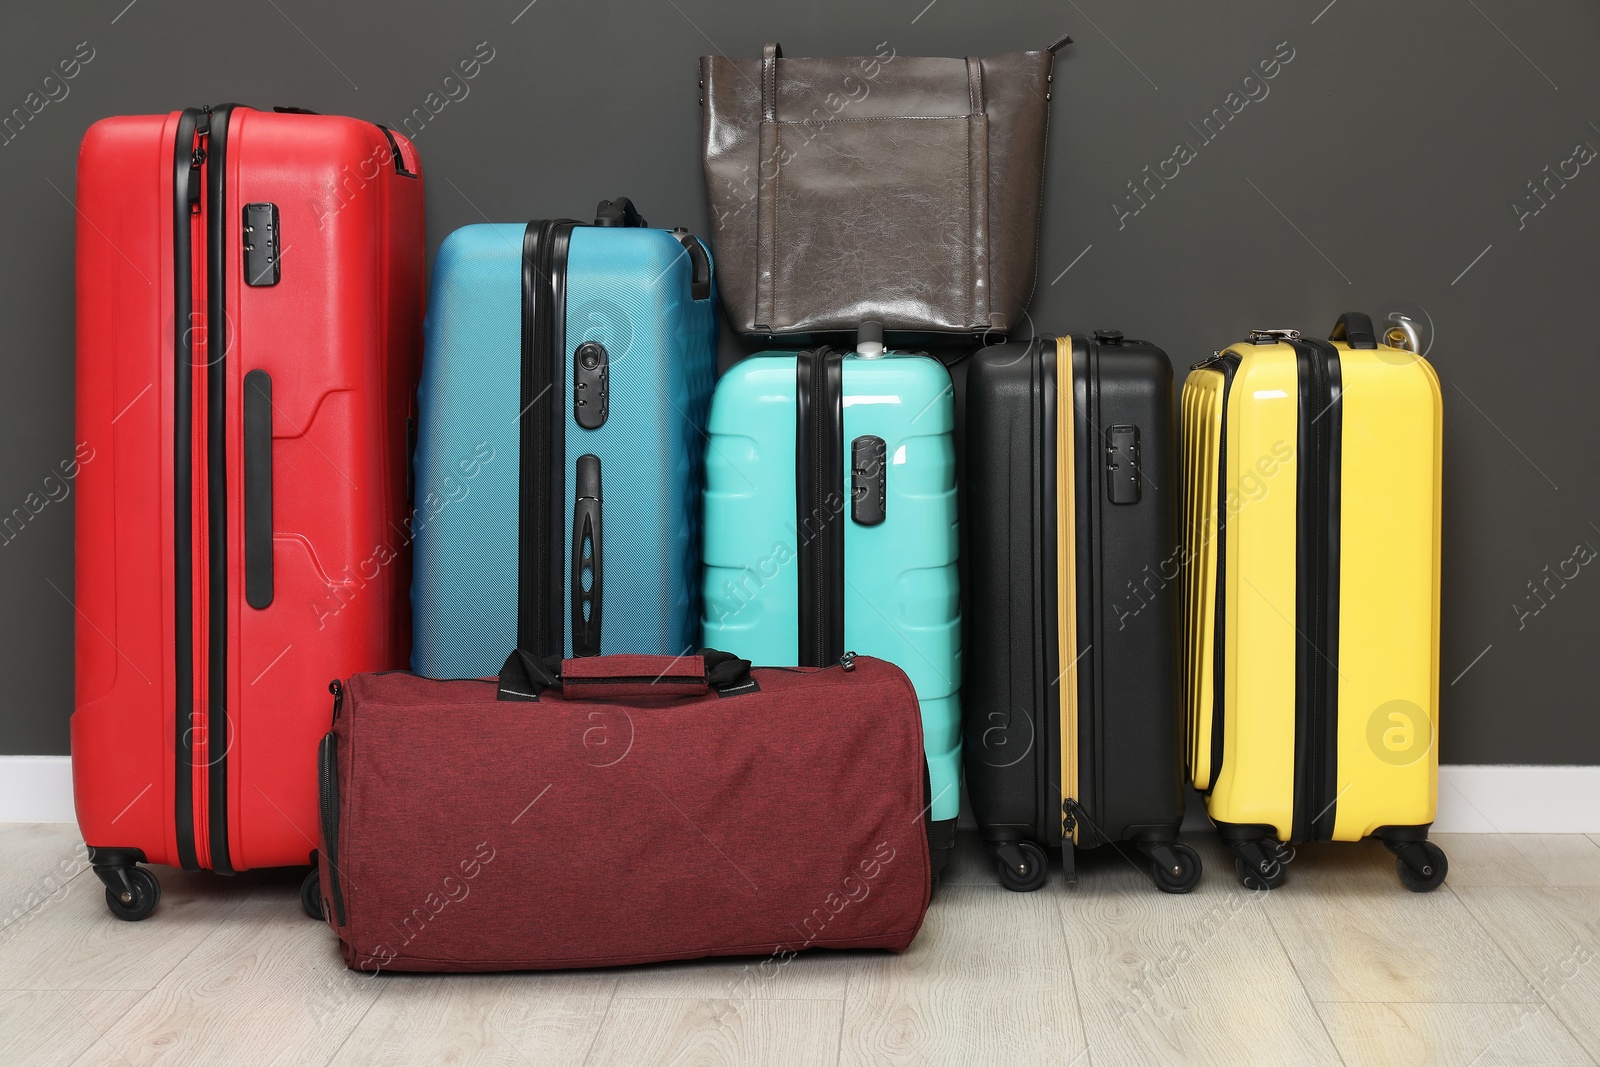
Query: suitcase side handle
x=624 y=678
x=258 y=489
x=700 y=265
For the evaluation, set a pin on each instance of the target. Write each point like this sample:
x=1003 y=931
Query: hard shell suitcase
x=645 y=808
x=830 y=511
x=1073 y=733
x=249 y=306
x=566 y=375
x=1311 y=475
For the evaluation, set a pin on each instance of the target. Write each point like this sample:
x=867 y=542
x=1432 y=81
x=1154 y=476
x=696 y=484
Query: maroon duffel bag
x=622 y=809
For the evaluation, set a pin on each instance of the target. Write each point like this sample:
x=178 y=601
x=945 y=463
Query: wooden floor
x=1341 y=965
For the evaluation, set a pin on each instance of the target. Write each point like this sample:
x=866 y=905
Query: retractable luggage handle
x=612 y=678
x=588 y=560
x=618 y=212
x=1355 y=329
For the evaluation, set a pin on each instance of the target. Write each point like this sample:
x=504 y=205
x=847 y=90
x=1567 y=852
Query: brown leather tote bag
x=898 y=188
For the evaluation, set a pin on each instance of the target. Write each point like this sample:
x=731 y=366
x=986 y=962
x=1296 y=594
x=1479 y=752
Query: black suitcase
x=1073 y=734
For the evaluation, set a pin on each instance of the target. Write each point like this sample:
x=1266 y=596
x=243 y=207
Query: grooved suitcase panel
x=1202 y=437
x=339 y=336
x=627 y=288
x=901 y=583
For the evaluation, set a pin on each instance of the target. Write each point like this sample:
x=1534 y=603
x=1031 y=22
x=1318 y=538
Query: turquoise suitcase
x=565 y=378
x=830 y=528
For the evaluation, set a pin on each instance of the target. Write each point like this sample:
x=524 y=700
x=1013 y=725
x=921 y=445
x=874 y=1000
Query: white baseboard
x=1518 y=800
x=36 y=789
x=1472 y=799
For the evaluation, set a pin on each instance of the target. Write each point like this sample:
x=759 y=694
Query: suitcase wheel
x=311 y=896
x=1021 y=865
x=1175 y=867
x=1422 y=865
x=1261 y=864
x=136 y=895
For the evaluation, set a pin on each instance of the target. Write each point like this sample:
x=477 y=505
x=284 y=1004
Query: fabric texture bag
x=622 y=809
x=898 y=188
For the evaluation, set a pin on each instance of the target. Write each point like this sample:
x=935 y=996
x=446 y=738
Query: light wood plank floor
x=1341 y=965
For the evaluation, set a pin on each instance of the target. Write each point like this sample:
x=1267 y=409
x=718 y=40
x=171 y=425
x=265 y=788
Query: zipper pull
x=196 y=158
x=338 y=698
x=1069 y=816
x=848 y=661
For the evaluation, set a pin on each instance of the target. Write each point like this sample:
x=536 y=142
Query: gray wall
x=1382 y=163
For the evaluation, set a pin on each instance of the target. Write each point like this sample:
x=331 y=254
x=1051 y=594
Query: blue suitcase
x=830 y=511
x=566 y=374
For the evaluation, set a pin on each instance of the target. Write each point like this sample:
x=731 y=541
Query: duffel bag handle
x=527 y=677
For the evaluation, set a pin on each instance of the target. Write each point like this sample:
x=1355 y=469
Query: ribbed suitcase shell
x=901 y=583
x=629 y=289
x=339 y=335
x=1386 y=657
x=1117 y=753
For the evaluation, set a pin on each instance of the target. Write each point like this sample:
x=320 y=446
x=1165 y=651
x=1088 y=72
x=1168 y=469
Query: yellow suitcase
x=1311 y=488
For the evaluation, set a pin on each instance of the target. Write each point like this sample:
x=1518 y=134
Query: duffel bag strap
x=527 y=677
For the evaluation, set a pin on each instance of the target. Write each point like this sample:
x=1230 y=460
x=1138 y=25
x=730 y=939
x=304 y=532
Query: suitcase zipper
x=187 y=159
x=819 y=505
x=217 y=409
x=1316 y=821
x=1069 y=686
x=816 y=459
x=540 y=579
x=1315 y=490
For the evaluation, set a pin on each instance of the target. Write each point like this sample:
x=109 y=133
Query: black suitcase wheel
x=311 y=896
x=1180 y=875
x=138 y=896
x=1422 y=866
x=1253 y=879
x=1022 y=866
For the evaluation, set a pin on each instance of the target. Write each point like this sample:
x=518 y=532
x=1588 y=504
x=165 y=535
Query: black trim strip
x=1316 y=591
x=328 y=807
x=1087 y=492
x=217 y=345
x=1227 y=363
x=820 y=504
x=183 y=166
x=542 y=456
x=1333 y=418
x=258 y=586
x=394 y=152
x=1049 y=822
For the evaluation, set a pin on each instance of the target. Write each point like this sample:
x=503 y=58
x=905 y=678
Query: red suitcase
x=249 y=318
